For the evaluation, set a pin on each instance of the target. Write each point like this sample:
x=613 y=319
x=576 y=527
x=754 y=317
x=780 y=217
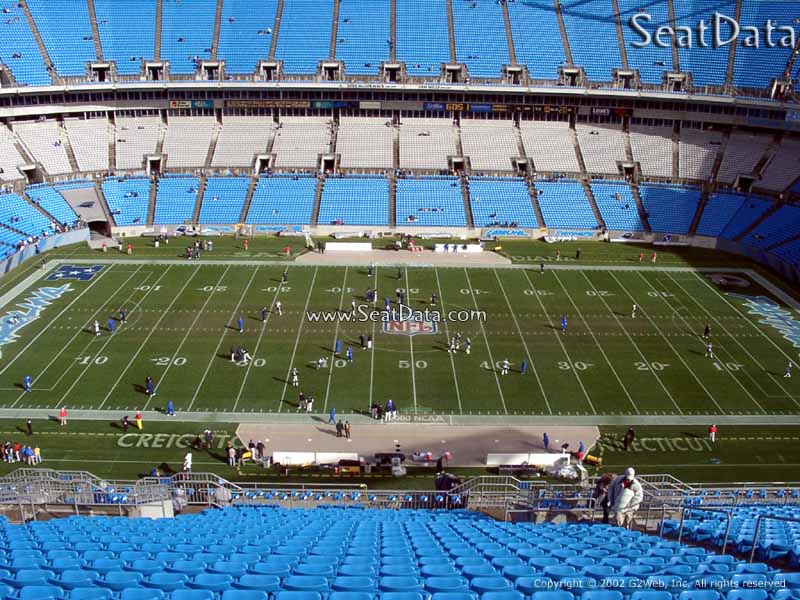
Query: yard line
x=188 y=332
x=333 y=350
x=447 y=341
x=56 y=318
x=597 y=343
x=147 y=339
x=561 y=343
x=633 y=343
x=81 y=330
x=374 y=341
x=108 y=341
x=524 y=343
x=279 y=287
x=486 y=339
x=674 y=350
x=299 y=331
x=221 y=338
x=411 y=346
x=735 y=339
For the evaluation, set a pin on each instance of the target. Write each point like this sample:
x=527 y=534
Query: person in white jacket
x=625 y=495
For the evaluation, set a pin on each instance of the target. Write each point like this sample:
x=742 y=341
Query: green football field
x=182 y=319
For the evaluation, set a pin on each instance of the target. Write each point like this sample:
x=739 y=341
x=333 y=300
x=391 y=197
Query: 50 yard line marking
x=447 y=341
x=333 y=350
x=524 y=343
x=297 y=339
x=107 y=342
x=411 y=347
x=374 y=340
x=633 y=343
x=221 y=338
x=147 y=338
x=188 y=332
x=486 y=341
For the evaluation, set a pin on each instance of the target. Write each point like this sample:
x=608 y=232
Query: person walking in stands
x=625 y=494
x=712 y=433
x=138 y=419
x=62 y=416
x=600 y=494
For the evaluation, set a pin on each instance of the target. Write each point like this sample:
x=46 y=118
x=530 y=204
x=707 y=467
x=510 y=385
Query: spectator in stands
x=600 y=494
x=624 y=496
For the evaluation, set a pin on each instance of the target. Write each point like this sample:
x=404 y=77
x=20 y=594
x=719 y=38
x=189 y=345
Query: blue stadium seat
x=141 y=593
x=41 y=592
x=90 y=593
x=216 y=582
x=447 y=584
x=192 y=595
x=244 y=595
x=120 y=580
x=351 y=596
x=167 y=582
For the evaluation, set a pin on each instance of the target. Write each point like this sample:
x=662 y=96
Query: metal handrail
x=728 y=519
x=760 y=519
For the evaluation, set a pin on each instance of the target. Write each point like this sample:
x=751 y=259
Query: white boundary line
x=447 y=340
x=55 y=319
x=258 y=344
x=221 y=338
x=411 y=347
x=486 y=341
x=674 y=350
x=374 y=341
x=297 y=339
x=524 y=343
x=147 y=337
x=333 y=350
x=106 y=343
x=630 y=339
x=188 y=331
x=597 y=343
x=561 y=343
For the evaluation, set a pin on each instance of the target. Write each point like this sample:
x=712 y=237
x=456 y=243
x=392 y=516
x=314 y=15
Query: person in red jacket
x=712 y=433
x=62 y=416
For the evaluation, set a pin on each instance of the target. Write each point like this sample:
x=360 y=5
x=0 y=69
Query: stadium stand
x=44 y=143
x=18 y=49
x=422 y=38
x=602 y=146
x=187 y=35
x=365 y=143
x=135 y=138
x=564 y=204
x=698 y=151
x=282 y=200
x=549 y=145
x=496 y=201
x=710 y=66
x=617 y=206
x=363 y=35
x=127 y=32
x=749 y=212
x=650 y=60
x=426 y=143
x=537 y=37
x=597 y=17
x=776 y=228
x=742 y=154
x=88 y=139
x=176 y=198
x=10 y=157
x=430 y=201
x=51 y=200
x=127 y=199
x=67 y=34
x=241 y=139
x=480 y=34
x=757 y=67
x=355 y=201
x=719 y=210
x=223 y=199
x=789 y=252
x=17 y=213
x=300 y=140
x=669 y=209
x=245 y=34
x=187 y=141
x=305 y=35
x=652 y=149
x=490 y=145
x=782 y=170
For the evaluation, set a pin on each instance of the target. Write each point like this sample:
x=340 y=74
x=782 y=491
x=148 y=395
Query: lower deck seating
x=51 y=200
x=176 y=198
x=501 y=202
x=282 y=200
x=128 y=199
x=564 y=204
x=617 y=206
x=432 y=201
x=669 y=209
x=355 y=201
x=17 y=213
x=223 y=199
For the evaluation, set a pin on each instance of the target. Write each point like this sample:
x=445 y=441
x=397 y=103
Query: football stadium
x=399 y=300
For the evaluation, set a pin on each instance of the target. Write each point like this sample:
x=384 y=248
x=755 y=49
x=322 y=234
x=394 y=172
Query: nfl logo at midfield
x=410 y=327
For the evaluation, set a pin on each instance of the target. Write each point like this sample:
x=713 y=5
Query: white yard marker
x=447 y=340
x=333 y=350
x=411 y=347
